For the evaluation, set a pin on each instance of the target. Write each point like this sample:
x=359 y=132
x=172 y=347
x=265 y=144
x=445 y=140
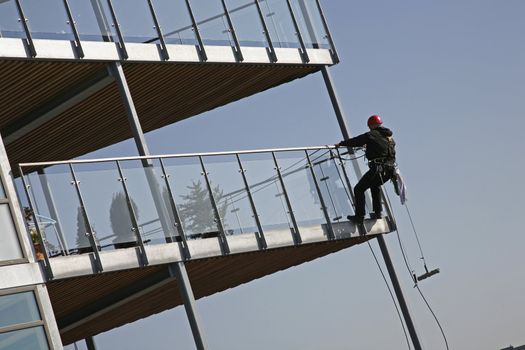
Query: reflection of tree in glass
x=196 y=210
x=121 y=220
x=82 y=238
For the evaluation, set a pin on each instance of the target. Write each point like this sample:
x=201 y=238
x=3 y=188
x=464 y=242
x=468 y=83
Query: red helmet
x=374 y=120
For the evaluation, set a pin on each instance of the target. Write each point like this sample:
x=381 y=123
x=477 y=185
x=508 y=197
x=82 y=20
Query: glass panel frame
x=280 y=23
x=10 y=249
x=230 y=195
x=19 y=308
x=212 y=22
x=135 y=21
x=93 y=24
x=34 y=338
x=247 y=23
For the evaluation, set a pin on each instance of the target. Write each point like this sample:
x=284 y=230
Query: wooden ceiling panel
x=208 y=276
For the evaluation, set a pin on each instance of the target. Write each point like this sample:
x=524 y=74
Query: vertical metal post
x=133 y=216
x=347 y=179
x=238 y=53
x=330 y=233
x=333 y=51
x=270 y=48
x=381 y=241
x=296 y=234
x=163 y=47
x=28 y=40
x=47 y=265
x=222 y=235
x=121 y=43
x=46 y=190
x=178 y=270
x=260 y=235
x=72 y=23
x=90 y=343
x=90 y=234
x=180 y=228
x=303 y=52
x=200 y=46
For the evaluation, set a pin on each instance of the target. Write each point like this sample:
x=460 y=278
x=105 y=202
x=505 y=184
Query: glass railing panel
x=136 y=21
x=301 y=188
x=280 y=23
x=211 y=21
x=147 y=189
x=47 y=19
x=93 y=20
x=10 y=26
x=175 y=22
x=106 y=204
x=58 y=212
x=191 y=194
x=247 y=22
x=267 y=192
x=230 y=195
x=332 y=184
x=310 y=24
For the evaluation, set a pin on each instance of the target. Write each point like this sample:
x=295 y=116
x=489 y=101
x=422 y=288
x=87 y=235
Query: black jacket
x=380 y=145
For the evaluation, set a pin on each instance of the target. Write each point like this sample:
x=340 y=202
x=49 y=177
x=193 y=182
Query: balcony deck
x=87 y=304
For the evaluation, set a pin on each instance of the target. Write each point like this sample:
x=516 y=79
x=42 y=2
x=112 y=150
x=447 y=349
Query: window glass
x=18 y=308
x=30 y=338
x=10 y=247
x=2 y=192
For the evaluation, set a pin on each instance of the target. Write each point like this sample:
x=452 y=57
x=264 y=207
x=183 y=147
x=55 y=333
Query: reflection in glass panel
x=106 y=204
x=247 y=23
x=136 y=21
x=10 y=26
x=230 y=194
x=175 y=21
x=301 y=188
x=147 y=188
x=10 y=247
x=93 y=20
x=310 y=24
x=280 y=23
x=57 y=211
x=29 y=338
x=192 y=197
x=267 y=192
x=18 y=308
x=47 y=19
x=211 y=21
x=332 y=184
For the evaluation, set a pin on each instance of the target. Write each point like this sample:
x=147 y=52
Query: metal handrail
x=181 y=155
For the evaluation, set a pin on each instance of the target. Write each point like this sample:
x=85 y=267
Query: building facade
x=90 y=245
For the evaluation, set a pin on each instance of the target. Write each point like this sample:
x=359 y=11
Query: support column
x=178 y=270
x=381 y=241
x=90 y=343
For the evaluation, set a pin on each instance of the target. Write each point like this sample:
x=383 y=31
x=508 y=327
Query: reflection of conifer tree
x=82 y=238
x=120 y=218
x=196 y=210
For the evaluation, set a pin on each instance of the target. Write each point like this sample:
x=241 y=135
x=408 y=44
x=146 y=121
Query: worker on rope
x=381 y=155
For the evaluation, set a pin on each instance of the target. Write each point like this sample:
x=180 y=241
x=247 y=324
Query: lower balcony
x=107 y=229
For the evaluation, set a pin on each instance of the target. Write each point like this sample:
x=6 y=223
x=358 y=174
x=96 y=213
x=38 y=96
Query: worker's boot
x=376 y=215
x=358 y=220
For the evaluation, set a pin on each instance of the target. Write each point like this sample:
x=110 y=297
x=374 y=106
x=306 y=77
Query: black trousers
x=372 y=179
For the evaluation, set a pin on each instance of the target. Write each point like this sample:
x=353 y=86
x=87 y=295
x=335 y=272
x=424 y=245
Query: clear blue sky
x=449 y=78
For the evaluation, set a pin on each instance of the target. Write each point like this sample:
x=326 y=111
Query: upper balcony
x=180 y=58
x=251 y=31
x=109 y=228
